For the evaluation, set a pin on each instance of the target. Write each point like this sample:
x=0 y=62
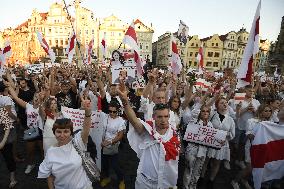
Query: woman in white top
x=33 y=121
x=49 y=114
x=221 y=120
x=114 y=127
x=195 y=154
x=62 y=165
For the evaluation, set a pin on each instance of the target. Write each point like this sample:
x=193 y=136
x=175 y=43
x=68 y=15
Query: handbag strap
x=77 y=149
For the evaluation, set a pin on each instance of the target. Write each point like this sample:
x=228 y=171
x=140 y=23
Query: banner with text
x=206 y=136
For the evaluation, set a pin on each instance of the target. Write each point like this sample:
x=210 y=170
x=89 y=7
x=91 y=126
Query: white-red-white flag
x=70 y=50
x=130 y=39
x=267 y=154
x=89 y=51
x=199 y=59
x=104 y=50
x=175 y=59
x=245 y=72
x=45 y=46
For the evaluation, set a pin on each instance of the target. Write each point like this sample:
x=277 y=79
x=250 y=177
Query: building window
x=66 y=42
x=50 y=43
x=209 y=64
x=141 y=46
x=189 y=63
x=192 y=44
x=93 y=31
x=210 y=54
x=195 y=63
x=191 y=53
x=212 y=44
x=119 y=34
x=215 y=64
x=196 y=54
x=217 y=44
x=146 y=47
x=49 y=30
x=56 y=41
x=216 y=54
x=224 y=62
x=61 y=42
x=232 y=64
x=87 y=32
x=196 y=45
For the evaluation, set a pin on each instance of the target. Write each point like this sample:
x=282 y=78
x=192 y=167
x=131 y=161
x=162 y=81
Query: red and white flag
x=70 y=50
x=45 y=46
x=200 y=60
x=104 y=50
x=175 y=59
x=89 y=51
x=267 y=154
x=245 y=72
x=130 y=39
x=4 y=54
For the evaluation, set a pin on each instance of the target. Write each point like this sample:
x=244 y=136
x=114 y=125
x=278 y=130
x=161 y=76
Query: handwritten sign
x=96 y=132
x=206 y=136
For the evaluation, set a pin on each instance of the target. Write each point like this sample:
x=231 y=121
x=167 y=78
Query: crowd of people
x=145 y=127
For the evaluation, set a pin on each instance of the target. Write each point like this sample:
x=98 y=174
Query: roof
x=43 y=15
x=137 y=21
x=25 y=24
x=223 y=37
x=262 y=40
x=206 y=38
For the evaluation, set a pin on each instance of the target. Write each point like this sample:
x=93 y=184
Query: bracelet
x=88 y=115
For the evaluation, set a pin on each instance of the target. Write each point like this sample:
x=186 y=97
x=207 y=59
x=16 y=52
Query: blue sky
x=204 y=17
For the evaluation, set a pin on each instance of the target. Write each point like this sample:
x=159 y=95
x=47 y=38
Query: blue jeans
x=113 y=161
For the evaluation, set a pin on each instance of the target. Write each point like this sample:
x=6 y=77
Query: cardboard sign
x=117 y=74
x=96 y=132
x=206 y=136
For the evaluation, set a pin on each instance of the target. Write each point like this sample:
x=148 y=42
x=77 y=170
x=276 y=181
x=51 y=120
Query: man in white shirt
x=156 y=144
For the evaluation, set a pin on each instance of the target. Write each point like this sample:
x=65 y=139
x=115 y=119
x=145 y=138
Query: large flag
x=70 y=51
x=89 y=51
x=130 y=39
x=104 y=50
x=267 y=154
x=45 y=46
x=182 y=32
x=245 y=72
x=175 y=59
x=200 y=59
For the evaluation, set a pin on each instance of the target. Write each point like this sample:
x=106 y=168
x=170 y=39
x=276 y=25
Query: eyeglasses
x=114 y=112
x=160 y=107
x=267 y=110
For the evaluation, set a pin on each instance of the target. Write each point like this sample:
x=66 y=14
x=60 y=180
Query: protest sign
x=207 y=136
x=96 y=132
x=239 y=97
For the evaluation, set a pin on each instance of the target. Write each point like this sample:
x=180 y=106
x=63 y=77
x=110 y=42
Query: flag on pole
x=130 y=39
x=89 y=51
x=200 y=60
x=267 y=154
x=104 y=50
x=45 y=46
x=245 y=72
x=182 y=32
x=175 y=59
x=70 y=50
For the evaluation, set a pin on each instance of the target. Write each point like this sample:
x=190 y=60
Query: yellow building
x=193 y=46
x=242 y=35
x=213 y=48
x=230 y=49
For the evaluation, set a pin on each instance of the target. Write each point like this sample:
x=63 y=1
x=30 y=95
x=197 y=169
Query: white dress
x=65 y=164
x=228 y=125
x=48 y=136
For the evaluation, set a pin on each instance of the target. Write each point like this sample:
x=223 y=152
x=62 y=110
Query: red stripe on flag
x=131 y=32
x=264 y=153
x=240 y=98
x=72 y=44
x=6 y=49
x=104 y=43
x=256 y=31
x=174 y=48
x=249 y=71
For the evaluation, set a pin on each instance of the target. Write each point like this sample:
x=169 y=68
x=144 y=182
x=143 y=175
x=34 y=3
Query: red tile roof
x=43 y=15
x=223 y=37
x=206 y=38
x=25 y=24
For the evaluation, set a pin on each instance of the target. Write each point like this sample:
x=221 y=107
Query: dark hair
x=2 y=87
x=160 y=106
x=115 y=104
x=63 y=123
x=121 y=58
x=201 y=108
x=261 y=108
x=218 y=100
x=171 y=100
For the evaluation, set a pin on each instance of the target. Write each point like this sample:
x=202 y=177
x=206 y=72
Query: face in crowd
x=112 y=112
x=65 y=87
x=264 y=112
x=222 y=105
x=161 y=118
x=159 y=97
x=204 y=113
x=175 y=103
x=249 y=92
x=113 y=91
x=23 y=84
x=63 y=129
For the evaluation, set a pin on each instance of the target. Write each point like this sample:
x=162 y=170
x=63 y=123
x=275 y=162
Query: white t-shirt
x=7 y=101
x=242 y=121
x=32 y=116
x=112 y=126
x=65 y=164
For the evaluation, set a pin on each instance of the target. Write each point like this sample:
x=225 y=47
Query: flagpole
x=77 y=42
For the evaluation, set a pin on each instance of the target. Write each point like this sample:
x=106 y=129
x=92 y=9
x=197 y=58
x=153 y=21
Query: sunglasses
x=112 y=111
x=160 y=107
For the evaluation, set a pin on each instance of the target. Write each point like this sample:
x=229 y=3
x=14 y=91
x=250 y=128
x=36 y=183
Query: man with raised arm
x=156 y=144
